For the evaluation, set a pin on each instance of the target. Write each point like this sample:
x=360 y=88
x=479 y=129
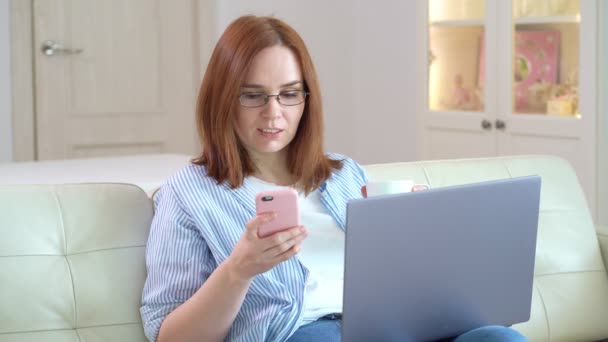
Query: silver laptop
x=433 y=264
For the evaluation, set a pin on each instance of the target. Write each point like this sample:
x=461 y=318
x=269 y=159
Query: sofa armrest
x=602 y=236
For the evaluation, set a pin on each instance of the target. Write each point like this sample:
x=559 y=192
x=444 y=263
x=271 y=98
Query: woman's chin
x=269 y=149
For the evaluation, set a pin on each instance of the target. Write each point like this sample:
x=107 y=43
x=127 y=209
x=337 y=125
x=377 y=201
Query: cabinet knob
x=486 y=124
x=500 y=124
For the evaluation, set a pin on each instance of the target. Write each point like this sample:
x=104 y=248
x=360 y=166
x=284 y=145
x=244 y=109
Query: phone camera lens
x=267 y=198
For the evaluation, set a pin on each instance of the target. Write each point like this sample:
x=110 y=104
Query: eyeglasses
x=286 y=98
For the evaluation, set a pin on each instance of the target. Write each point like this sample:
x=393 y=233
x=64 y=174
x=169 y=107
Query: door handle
x=51 y=48
x=486 y=124
x=500 y=124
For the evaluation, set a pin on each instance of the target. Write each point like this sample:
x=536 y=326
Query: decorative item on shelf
x=463 y=97
x=563 y=100
x=537 y=96
x=559 y=106
x=535 y=64
x=535 y=68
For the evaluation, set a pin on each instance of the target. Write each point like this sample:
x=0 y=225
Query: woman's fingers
x=256 y=255
x=281 y=237
x=289 y=253
x=285 y=246
x=253 y=226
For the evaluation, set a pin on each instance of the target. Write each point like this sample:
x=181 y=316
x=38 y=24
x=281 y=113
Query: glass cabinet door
x=546 y=57
x=456 y=59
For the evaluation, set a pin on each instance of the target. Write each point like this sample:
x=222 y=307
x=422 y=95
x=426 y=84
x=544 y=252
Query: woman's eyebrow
x=259 y=86
x=252 y=86
x=292 y=83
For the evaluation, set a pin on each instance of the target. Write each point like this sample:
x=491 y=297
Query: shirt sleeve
x=361 y=173
x=178 y=261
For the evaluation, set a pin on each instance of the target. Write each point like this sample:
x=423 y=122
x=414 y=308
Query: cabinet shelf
x=558 y=19
x=457 y=23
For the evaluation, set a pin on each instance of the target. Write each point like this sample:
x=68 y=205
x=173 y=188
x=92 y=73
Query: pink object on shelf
x=536 y=61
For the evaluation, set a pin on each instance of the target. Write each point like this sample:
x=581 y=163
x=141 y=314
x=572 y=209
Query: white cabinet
x=509 y=77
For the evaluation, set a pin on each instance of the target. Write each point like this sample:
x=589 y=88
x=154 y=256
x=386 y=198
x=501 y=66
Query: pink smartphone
x=284 y=203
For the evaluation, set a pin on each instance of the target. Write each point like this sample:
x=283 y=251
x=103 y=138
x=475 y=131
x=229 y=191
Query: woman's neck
x=272 y=168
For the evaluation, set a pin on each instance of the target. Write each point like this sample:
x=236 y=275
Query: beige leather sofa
x=72 y=256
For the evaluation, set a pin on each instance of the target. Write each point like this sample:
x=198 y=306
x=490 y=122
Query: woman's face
x=269 y=128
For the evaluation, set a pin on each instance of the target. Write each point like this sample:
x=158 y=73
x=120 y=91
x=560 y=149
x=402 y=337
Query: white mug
x=390 y=187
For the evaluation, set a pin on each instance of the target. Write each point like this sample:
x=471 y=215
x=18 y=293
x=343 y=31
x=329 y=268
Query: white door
x=114 y=77
x=481 y=96
x=543 y=130
x=458 y=117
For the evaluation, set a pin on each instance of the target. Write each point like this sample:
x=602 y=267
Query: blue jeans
x=329 y=331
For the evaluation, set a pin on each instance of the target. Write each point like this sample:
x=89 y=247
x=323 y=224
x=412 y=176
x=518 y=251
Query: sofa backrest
x=72 y=262
x=570 y=295
x=72 y=256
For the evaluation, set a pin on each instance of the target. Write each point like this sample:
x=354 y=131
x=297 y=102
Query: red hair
x=223 y=154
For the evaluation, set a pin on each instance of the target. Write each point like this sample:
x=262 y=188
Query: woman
x=210 y=277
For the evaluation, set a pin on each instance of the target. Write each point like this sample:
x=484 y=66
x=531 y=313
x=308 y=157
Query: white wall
x=602 y=131
x=384 y=66
x=365 y=61
x=6 y=137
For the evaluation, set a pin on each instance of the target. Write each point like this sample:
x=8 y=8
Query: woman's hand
x=253 y=255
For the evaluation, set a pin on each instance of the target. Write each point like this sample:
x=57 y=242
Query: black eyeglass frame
x=278 y=96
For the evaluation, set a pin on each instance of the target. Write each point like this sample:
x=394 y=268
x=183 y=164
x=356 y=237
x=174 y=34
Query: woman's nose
x=273 y=108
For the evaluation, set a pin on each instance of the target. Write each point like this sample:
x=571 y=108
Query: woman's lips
x=270 y=132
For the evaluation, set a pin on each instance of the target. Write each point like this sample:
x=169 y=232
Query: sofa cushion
x=570 y=294
x=72 y=262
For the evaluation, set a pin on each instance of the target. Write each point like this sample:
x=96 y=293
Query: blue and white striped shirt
x=197 y=224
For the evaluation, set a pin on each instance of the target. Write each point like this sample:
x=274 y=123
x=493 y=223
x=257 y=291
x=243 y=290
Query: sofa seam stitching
x=59 y=255
x=426 y=175
x=507 y=168
x=65 y=241
x=569 y=272
x=542 y=301
x=109 y=249
x=68 y=329
x=78 y=253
